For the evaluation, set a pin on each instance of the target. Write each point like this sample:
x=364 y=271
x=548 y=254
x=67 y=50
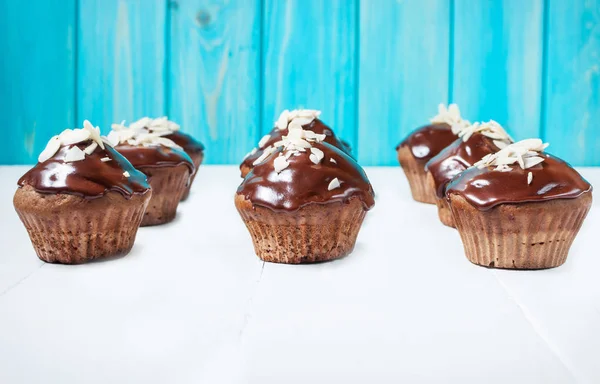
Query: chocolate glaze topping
x=317 y=126
x=155 y=156
x=427 y=141
x=304 y=182
x=187 y=142
x=457 y=157
x=89 y=178
x=486 y=188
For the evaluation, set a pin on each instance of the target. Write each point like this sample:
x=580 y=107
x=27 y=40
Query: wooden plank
x=214 y=74
x=403 y=72
x=498 y=54
x=309 y=56
x=572 y=97
x=37 y=92
x=121 y=60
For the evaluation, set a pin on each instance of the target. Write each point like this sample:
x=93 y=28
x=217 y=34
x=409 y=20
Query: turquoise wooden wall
x=376 y=68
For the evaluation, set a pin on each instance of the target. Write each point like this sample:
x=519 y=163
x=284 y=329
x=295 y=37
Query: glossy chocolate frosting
x=486 y=188
x=304 y=182
x=457 y=157
x=155 y=156
x=427 y=141
x=317 y=126
x=185 y=141
x=89 y=178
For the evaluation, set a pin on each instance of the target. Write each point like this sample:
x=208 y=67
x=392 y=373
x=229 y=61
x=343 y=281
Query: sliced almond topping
x=126 y=174
x=280 y=163
x=267 y=151
x=105 y=159
x=51 y=148
x=263 y=141
x=90 y=148
x=318 y=153
x=333 y=184
x=283 y=120
x=74 y=154
x=313 y=158
x=529 y=178
x=74 y=136
x=333 y=161
x=94 y=132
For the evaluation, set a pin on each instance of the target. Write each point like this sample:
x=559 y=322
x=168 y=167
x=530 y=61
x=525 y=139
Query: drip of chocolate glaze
x=427 y=141
x=317 y=126
x=304 y=182
x=89 y=178
x=486 y=188
x=457 y=157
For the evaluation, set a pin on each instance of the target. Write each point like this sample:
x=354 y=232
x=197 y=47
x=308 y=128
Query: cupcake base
x=520 y=236
x=416 y=175
x=168 y=185
x=316 y=232
x=443 y=207
x=69 y=229
x=197 y=160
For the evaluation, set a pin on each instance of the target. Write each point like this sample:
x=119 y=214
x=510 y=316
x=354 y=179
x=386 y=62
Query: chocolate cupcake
x=168 y=167
x=519 y=208
x=475 y=142
x=83 y=200
x=304 y=118
x=304 y=201
x=423 y=144
x=171 y=130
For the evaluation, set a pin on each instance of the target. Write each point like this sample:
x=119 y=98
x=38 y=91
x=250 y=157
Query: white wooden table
x=192 y=304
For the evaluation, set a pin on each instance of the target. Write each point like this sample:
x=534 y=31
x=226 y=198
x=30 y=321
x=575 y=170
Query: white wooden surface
x=193 y=304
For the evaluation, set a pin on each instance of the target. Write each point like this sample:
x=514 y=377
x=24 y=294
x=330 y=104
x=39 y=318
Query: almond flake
x=333 y=161
x=94 y=132
x=90 y=148
x=314 y=158
x=74 y=154
x=333 y=184
x=105 y=159
x=529 y=178
x=283 y=120
x=126 y=174
x=51 y=148
x=264 y=141
x=267 y=151
x=280 y=164
x=74 y=136
x=318 y=153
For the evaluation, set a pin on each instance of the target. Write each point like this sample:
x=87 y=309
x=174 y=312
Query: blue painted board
x=497 y=66
x=309 y=61
x=121 y=60
x=214 y=74
x=403 y=72
x=572 y=91
x=37 y=86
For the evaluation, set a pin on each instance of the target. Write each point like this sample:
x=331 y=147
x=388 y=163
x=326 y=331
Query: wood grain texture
x=214 y=74
x=121 y=60
x=572 y=102
x=403 y=72
x=37 y=91
x=498 y=54
x=309 y=59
